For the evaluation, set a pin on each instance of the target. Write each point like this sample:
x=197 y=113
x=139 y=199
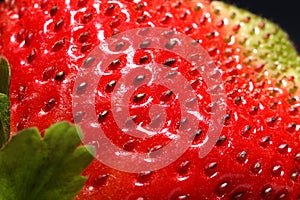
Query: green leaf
x=35 y=168
x=4 y=119
x=4 y=76
x=4 y=102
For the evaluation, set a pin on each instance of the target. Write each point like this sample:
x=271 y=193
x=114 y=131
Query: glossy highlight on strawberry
x=257 y=155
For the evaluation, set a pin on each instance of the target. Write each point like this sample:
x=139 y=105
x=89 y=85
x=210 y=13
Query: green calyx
x=4 y=102
x=32 y=167
x=4 y=76
x=264 y=42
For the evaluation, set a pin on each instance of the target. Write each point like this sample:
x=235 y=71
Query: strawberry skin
x=258 y=153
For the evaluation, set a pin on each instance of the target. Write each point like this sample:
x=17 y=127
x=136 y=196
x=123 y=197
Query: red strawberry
x=257 y=155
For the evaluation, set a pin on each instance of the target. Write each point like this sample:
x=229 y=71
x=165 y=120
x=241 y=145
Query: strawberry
x=255 y=156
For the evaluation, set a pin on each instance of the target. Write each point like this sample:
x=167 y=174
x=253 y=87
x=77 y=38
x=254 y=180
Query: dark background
x=285 y=13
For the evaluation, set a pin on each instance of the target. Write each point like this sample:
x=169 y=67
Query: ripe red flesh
x=40 y=41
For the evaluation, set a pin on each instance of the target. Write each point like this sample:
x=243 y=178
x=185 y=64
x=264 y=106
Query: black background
x=285 y=13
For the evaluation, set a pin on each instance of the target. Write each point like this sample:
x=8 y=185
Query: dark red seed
x=294 y=176
x=293 y=111
x=246 y=131
x=21 y=35
x=220 y=23
x=21 y=12
x=191 y=102
x=253 y=110
x=292 y=100
x=139 y=79
x=110 y=86
x=115 y=23
x=144 y=176
x=238 y=100
x=22 y=123
x=265 y=141
x=119 y=46
x=283 y=148
x=31 y=56
x=84 y=36
x=48 y=72
x=276 y=170
x=256 y=168
x=203 y=20
x=139 y=97
x=188 y=30
x=168 y=33
x=238 y=195
x=227 y=117
x=144 y=31
x=29 y=38
x=221 y=140
x=49 y=105
x=273 y=105
x=130 y=121
x=282 y=195
x=139 y=7
x=236 y=28
x=261 y=25
x=210 y=35
x=177 y=4
x=85 y=47
x=87 y=63
x=114 y=64
x=198 y=133
x=60 y=76
x=21 y=92
x=165 y=19
x=144 y=59
x=58 y=25
x=170 y=44
x=210 y=168
x=78 y=116
x=44 y=3
x=155 y=149
x=182 y=197
x=271 y=121
x=168 y=93
x=82 y=3
x=101 y=180
x=291 y=127
x=87 y=18
x=169 y=62
x=81 y=88
x=241 y=157
x=141 y=19
x=266 y=192
x=259 y=67
x=183 y=15
x=172 y=74
x=58 y=45
x=198 y=7
x=103 y=115
x=184 y=167
x=221 y=188
x=297 y=157
x=110 y=10
x=145 y=44
x=213 y=51
x=53 y=10
x=129 y=145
